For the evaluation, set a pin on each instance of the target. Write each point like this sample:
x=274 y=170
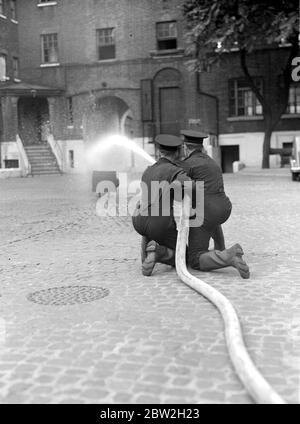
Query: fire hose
x=255 y=384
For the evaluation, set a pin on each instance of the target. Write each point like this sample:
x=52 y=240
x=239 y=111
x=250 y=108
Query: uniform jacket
x=200 y=167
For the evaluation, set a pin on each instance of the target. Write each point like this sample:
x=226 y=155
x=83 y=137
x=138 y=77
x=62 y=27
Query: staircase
x=41 y=159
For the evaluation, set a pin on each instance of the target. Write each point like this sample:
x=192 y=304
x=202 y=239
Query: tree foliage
x=243 y=24
x=218 y=26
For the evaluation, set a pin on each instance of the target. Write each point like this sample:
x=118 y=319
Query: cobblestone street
x=149 y=340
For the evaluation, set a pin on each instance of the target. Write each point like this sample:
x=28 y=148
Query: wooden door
x=169 y=104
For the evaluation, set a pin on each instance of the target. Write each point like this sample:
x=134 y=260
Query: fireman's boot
x=155 y=253
x=216 y=259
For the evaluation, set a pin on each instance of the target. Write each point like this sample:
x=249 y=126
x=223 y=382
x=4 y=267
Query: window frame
x=3 y=9
x=106 y=44
x=168 y=37
x=43 y=39
x=13 y=10
x=244 y=98
x=5 y=78
x=16 y=69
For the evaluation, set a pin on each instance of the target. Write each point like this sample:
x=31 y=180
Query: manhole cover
x=69 y=295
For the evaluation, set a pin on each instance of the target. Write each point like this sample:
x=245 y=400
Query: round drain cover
x=69 y=295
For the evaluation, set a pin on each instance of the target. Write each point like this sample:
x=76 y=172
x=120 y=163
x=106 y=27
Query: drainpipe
x=203 y=93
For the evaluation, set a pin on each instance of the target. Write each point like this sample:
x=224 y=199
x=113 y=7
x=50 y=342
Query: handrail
x=253 y=381
x=56 y=149
x=25 y=165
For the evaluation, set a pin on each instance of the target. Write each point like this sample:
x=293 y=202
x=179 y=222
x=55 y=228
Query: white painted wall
x=251 y=145
x=77 y=146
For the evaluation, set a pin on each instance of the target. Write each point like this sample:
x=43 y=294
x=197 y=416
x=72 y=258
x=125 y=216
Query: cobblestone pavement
x=151 y=340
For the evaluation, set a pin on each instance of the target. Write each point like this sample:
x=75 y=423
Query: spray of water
x=117 y=140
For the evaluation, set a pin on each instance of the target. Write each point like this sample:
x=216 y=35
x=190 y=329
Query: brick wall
x=76 y=22
x=83 y=76
x=8 y=39
x=265 y=64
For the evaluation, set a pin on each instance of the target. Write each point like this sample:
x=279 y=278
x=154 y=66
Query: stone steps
x=41 y=159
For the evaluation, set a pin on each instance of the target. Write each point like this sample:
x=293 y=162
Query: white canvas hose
x=253 y=381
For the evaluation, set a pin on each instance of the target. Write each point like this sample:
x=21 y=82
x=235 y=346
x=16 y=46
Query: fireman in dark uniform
x=217 y=209
x=159 y=229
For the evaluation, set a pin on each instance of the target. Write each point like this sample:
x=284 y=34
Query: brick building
x=240 y=119
x=90 y=69
x=9 y=55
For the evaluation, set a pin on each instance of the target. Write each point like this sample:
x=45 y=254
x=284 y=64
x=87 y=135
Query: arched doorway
x=33 y=119
x=105 y=116
x=168 y=101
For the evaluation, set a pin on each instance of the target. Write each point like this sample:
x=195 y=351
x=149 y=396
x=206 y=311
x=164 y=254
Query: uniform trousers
x=161 y=229
x=217 y=209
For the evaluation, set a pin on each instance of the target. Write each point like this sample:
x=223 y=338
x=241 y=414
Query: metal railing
x=25 y=164
x=57 y=151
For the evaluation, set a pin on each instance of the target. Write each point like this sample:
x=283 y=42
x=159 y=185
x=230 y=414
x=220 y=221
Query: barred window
x=106 y=43
x=242 y=100
x=166 y=35
x=294 y=99
x=49 y=48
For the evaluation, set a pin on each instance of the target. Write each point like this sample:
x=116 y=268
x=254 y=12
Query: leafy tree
x=245 y=26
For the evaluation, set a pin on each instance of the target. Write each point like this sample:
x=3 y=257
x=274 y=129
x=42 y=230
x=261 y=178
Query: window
x=166 y=35
x=16 y=67
x=2 y=10
x=106 y=43
x=242 y=100
x=2 y=67
x=70 y=111
x=11 y=163
x=13 y=9
x=49 y=48
x=294 y=99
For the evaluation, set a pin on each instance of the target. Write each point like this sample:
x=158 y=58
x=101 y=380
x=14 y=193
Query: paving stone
x=130 y=375
x=155 y=378
x=44 y=379
x=147 y=399
x=181 y=381
x=95 y=394
x=117 y=384
x=122 y=397
x=216 y=396
x=177 y=401
x=68 y=379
